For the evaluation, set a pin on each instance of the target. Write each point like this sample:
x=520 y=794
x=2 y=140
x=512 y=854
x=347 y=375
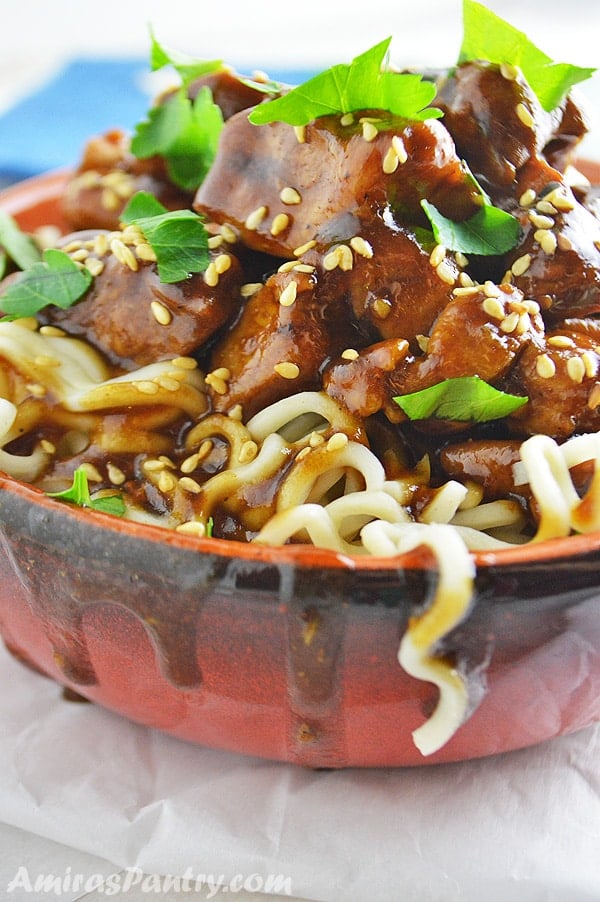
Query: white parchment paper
x=523 y=826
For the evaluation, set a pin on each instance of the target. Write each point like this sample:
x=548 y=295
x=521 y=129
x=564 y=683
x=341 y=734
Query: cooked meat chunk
x=107 y=178
x=229 y=91
x=135 y=319
x=278 y=345
x=278 y=190
x=488 y=463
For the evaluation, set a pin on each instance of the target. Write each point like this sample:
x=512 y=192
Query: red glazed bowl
x=289 y=653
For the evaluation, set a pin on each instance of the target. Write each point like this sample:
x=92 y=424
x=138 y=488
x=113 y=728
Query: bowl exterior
x=289 y=655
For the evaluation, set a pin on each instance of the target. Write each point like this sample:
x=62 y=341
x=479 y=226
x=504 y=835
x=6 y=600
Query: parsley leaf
x=488 y=37
x=361 y=85
x=489 y=232
x=463 y=399
x=178 y=238
x=79 y=494
x=55 y=279
x=16 y=245
x=185 y=133
x=186 y=67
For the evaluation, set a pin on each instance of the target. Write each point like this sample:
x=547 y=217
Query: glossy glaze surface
x=289 y=654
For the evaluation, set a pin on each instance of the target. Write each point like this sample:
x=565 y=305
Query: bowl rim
x=43 y=189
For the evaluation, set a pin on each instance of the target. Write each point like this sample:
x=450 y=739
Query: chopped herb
x=489 y=232
x=178 y=238
x=185 y=133
x=16 y=245
x=54 y=280
x=79 y=494
x=488 y=37
x=364 y=84
x=188 y=68
x=210 y=525
x=463 y=399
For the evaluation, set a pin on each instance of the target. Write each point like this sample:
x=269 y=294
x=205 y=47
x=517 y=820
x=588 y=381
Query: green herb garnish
x=184 y=132
x=54 y=280
x=210 y=525
x=463 y=399
x=364 y=84
x=489 y=232
x=16 y=245
x=178 y=238
x=488 y=37
x=79 y=494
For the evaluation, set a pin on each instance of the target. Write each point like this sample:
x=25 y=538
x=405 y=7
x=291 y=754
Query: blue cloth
x=48 y=129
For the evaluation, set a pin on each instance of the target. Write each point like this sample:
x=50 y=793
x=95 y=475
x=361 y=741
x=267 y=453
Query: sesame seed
x=524 y=115
x=211 y=276
x=100 y=245
x=349 y=354
x=521 y=265
x=215 y=241
x=254 y=219
x=248 y=452
x=289 y=196
x=299 y=251
x=545 y=207
x=423 y=342
x=287 y=370
x=399 y=149
x=222 y=372
x=79 y=255
x=545 y=367
x=369 y=131
x=446 y=273
x=191 y=528
x=561 y=341
x=390 y=161
x=508 y=71
x=491 y=290
x=461 y=259
x=345 y=258
x=303 y=453
x=229 y=234
x=189 y=464
x=510 y=323
x=185 y=363
x=548 y=242
x=236 y=413
x=331 y=260
x=115 y=474
x=564 y=243
x=109 y=199
x=437 y=255
x=204 y=450
x=280 y=224
x=217 y=385
x=92 y=472
x=168 y=383
x=35 y=389
x=190 y=485
x=152 y=466
x=465 y=291
x=300 y=132
x=250 y=288
x=222 y=263
x=124 y=254
x=576 y=369
x=382 y=308
x=590 y=362
x=361 y=247
x=146 y=387
x=161 y=314
x=166 y=481
x=346 y=119
x=560 y=199
x=94 y=266
x=524 y=324
x=541 y=221
x=288 y=295
x=594 y=397
x=493 y=307
x=53 y=331
x=337 y=442
x=527 y=198
x=465 y=280
x=47 y=446
x=303 y=267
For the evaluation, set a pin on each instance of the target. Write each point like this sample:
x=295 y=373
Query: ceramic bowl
x=289 y=653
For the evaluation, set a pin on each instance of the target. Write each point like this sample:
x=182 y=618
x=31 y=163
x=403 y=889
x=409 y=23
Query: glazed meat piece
x=488 y=463
x=278 y=345
x=498 y=124
x=557 y=260
x=395 y=286
x=107 y=178
x=278 y=188
x=360 y=383
x=229 y=91
x=134 y=318
x=559 y=378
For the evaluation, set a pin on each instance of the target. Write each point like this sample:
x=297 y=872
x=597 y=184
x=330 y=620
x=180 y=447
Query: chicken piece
x=481 y=332
x=560 y=379
x=396 y=287
x=107 y=178
x=135 y=319
x=278 y=346
x=488 y=463
x=557 y=260
x=498 y=124
x=360 y=383
x=278 y=189
x=229 y=91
